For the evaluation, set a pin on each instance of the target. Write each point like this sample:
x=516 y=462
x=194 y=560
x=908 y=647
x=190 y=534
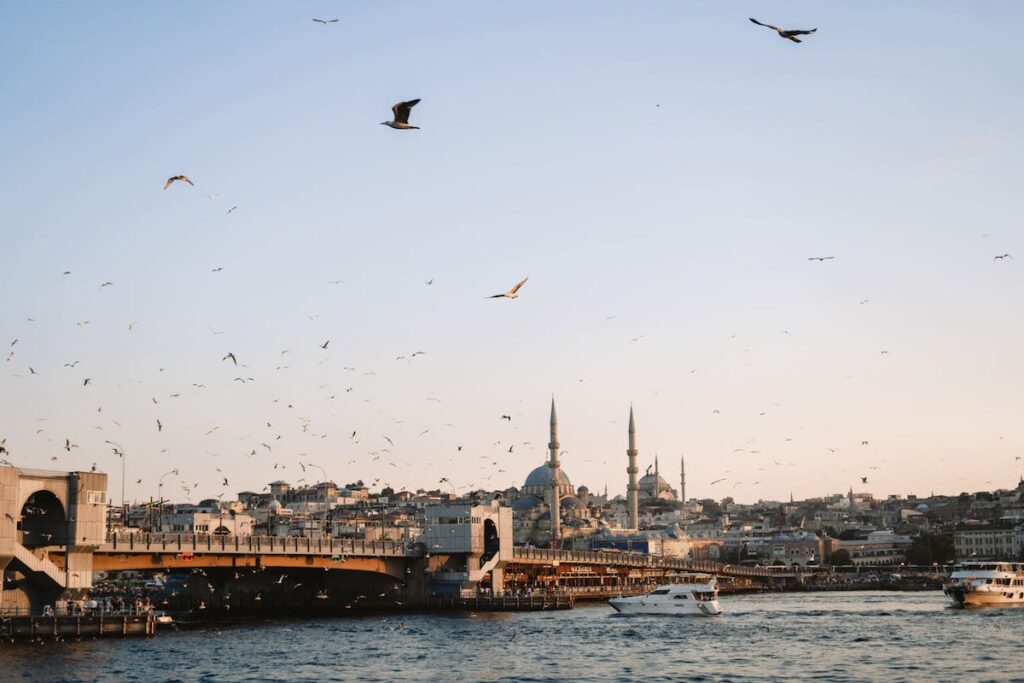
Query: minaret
x=682 y=479
x=555 y=504
x=633 y=490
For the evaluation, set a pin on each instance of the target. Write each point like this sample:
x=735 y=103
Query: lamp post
x=160 y=494
x=322 y=472
x=119 y=451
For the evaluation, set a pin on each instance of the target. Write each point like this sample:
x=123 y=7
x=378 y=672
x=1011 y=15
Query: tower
x=682 y=479
x=555 y=505
x=633 y=490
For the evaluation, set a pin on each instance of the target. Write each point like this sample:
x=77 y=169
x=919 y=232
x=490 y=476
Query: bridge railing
x=285 y=545
x=639 y=560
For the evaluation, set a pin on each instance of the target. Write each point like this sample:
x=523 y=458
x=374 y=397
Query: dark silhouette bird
x=324 y=345
x=788 y=34
x=512 y=293
x=1001 y=257
x=401 y=118
x=506 y=417
x=87 y=381
x=232 y=357
x=159 y=426
x=183 y=178
x=863 y=480
x=820 y=258
x=326 y=22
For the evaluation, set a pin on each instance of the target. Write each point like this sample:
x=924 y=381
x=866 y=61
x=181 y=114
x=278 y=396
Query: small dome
x=525 y=504
x=571 y=502
x=274 y=505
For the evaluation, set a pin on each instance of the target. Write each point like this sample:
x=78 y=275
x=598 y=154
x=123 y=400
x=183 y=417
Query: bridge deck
x=198 y=544
x=638 y=560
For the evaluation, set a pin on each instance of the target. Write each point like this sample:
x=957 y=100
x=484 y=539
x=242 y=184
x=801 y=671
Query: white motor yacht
x=697 y=596
x=977 y=584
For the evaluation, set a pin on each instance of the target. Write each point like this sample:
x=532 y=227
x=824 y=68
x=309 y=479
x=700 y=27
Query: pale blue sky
x=667 y=163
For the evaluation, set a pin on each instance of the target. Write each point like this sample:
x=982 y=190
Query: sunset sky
x=662 y=172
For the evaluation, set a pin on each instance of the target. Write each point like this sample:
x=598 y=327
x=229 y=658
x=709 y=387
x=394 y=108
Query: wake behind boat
x=696 y=596
x=977 y=584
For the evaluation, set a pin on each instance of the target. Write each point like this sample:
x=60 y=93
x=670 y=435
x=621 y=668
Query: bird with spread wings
x=788 y=34
x=401 y=115
x=512 y=293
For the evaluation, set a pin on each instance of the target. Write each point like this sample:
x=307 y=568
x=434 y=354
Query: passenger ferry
x=976 y=584
x=697 y=596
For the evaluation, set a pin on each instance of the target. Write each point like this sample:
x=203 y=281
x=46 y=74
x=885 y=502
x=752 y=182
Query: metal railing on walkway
x=226 y=544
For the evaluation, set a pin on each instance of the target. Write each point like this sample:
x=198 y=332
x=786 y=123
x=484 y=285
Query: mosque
x=548 y=494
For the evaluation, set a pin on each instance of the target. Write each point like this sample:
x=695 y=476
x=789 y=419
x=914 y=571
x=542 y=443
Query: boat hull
x=695 y=608
x=962 y=597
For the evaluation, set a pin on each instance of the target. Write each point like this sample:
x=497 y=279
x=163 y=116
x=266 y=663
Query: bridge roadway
x=525 y=555
x=165 y=551
x=161 y=551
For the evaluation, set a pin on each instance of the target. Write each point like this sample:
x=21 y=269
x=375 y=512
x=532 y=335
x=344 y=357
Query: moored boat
x=978 y=584
x=697 y=595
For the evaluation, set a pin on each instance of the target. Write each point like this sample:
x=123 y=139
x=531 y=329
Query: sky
x=661 y=171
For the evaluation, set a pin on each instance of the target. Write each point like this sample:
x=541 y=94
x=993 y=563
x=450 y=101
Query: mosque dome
x=274 y=505
x=655 y=486
x=571 y=502
x=538 y=483
x=525 y=504
x=541 y=476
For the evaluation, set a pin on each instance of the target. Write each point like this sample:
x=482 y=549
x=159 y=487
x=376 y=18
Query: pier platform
x=66 y=626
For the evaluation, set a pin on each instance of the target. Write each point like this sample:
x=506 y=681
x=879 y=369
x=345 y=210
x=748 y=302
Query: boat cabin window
x=682 y=596
x=663 y=591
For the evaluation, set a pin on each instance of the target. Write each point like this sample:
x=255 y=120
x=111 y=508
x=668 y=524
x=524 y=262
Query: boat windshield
x=703 y=595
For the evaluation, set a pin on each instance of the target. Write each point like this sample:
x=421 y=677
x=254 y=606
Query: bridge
x=52 y=539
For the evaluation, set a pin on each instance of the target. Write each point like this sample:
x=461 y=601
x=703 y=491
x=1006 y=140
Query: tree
x=931 y=548
x=841 y=558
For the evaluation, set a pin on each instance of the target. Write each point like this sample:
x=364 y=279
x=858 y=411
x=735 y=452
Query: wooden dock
x=66 y=626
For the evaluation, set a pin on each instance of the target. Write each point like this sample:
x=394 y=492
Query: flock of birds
x=380 y=446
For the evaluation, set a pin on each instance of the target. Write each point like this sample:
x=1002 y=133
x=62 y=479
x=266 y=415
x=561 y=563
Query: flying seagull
x=512 y=293
x=401 y=120
x=1001 y=257
x=232 y=357
x=789 y=34
x=183 y=178
x=820 y=258
x=325 y=22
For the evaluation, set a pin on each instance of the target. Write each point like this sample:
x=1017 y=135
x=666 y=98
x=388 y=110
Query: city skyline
x=664 y=189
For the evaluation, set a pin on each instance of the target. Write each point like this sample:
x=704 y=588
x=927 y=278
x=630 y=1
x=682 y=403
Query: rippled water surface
x=819 y=636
